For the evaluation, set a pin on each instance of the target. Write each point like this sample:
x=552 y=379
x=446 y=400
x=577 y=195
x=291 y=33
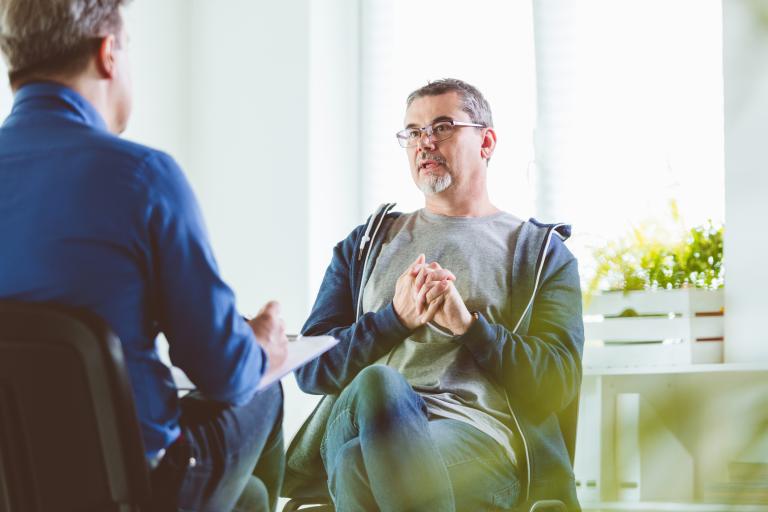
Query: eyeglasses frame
x=428 y=130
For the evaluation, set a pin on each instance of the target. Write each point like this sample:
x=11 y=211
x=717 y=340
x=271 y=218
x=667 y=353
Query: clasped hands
x=425 y=292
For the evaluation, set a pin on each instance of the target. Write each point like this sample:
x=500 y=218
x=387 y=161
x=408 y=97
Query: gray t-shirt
x=478 y=250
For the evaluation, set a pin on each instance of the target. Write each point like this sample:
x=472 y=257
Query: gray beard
x=431 y=185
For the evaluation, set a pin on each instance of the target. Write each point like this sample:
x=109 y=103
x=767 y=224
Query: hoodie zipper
x=381 y=212
x=544 y=249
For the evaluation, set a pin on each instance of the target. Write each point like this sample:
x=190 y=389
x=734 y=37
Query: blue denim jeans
x=382 y=453
x=228 y=458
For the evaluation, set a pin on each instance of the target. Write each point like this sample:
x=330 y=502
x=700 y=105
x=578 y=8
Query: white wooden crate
x=681 y=326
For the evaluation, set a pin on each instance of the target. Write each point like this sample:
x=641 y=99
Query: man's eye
x=413 y=134
x=441 y=127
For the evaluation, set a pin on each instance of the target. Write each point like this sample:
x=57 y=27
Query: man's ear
x=488 y=144
x=105 y=62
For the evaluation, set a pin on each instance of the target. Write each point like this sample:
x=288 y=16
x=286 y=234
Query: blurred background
x=610 y=114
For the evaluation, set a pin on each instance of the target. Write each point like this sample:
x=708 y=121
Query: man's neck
x=91 y=90
x=94 y=92
x=452 y=204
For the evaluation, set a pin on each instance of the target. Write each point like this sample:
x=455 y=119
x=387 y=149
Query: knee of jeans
x=381 y=382
x=383 y=394
x=255 y=496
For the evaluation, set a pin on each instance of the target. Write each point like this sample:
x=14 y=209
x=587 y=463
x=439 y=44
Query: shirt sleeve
x=195 y=309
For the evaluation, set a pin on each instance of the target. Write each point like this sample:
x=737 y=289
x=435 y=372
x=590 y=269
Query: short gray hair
x=54 y=36
x=473 y=101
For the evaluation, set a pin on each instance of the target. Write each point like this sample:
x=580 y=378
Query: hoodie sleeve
x=361 y=342
x=541 y=368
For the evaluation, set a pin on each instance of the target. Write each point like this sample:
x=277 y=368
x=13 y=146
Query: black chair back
x=69 y=435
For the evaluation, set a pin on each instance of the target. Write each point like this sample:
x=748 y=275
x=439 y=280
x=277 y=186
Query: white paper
x=301 y=350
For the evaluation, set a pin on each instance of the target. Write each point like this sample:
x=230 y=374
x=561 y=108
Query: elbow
x=558 y=385
x=570 y=383
x=304 y=380
x=310 y=382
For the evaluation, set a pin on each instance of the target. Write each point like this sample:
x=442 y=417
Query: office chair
x=567 y=419
x=69 y=436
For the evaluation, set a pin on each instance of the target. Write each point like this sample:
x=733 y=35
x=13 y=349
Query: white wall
x=223 y=87
x=746 y=188
x=157 y=34
x=334 y=131
x=6 y=99
x=247 y=87
x=247 y=106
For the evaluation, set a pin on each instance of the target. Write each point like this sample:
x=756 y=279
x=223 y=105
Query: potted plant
x=656 y=299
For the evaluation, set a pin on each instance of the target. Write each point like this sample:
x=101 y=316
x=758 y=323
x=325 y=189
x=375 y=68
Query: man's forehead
x=426 y=109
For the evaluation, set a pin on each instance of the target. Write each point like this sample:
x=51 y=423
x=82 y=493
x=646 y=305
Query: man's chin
x=432 y=185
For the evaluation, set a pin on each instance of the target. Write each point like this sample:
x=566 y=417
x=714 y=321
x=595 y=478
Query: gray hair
x=39 y=37
x=474 y=103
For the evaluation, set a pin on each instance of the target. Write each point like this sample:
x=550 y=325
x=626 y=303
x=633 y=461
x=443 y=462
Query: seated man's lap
x=482 y=476
x=210 y=465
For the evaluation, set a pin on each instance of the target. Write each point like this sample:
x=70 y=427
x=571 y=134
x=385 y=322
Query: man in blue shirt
x=93 y=221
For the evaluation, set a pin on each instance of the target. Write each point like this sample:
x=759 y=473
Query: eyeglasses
x=436 y=132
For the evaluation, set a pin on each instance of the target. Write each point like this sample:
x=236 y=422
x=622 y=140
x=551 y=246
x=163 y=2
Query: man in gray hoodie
x=455 y=382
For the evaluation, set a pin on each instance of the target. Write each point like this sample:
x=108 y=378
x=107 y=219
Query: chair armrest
x=548 y=504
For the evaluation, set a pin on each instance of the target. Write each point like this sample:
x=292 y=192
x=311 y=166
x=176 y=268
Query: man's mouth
x=430 y=163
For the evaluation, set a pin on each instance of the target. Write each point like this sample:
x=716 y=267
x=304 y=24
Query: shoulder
x=150 y=162
x=539 y=238
x=157 y=169
x=156 y=172
x=561 y=229
x=148 y=171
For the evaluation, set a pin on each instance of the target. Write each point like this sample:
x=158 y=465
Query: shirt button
x=192 y=462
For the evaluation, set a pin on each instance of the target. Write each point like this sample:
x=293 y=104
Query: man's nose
x=425 y=141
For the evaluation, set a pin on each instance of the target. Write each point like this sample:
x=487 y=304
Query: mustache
x=427 y=156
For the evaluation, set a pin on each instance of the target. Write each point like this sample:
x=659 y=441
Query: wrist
x=466 y=322
x=402 y=319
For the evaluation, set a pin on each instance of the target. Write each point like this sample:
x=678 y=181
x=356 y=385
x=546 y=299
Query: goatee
x=434 y=184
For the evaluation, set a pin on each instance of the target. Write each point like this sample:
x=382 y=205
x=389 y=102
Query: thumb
x=272 y=307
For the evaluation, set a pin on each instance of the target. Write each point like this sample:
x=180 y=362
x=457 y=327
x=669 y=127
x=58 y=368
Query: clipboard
x=301 y=350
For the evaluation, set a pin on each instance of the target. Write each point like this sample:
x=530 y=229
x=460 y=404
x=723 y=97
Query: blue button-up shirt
x=90 y=220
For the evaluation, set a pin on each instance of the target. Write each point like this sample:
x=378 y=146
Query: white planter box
x=682 y=326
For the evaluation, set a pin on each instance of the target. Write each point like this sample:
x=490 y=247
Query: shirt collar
x=53 y=97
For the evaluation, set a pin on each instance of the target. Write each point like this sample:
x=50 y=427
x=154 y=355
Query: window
x=630 y=114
